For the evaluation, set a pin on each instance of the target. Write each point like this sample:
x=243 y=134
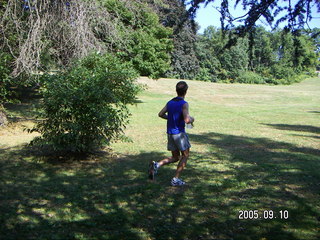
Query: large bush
x=86 y=106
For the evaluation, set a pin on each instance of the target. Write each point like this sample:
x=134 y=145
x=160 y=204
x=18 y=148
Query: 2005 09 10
x=265 y=214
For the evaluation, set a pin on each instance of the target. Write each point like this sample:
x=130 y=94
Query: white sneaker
x=177 y=182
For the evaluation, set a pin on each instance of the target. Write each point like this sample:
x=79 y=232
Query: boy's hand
x=191 y=120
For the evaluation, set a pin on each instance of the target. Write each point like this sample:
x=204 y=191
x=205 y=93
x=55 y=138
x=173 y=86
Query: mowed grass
x=253 y=148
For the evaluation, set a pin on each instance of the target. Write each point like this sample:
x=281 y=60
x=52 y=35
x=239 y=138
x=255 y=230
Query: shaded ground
x=255 y=155
x=104 y=199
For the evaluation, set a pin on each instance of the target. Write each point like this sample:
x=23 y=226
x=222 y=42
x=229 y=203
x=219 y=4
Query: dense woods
x=44 y=41
x=277 y=57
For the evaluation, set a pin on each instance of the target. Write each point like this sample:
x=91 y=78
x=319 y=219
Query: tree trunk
x=3 y=118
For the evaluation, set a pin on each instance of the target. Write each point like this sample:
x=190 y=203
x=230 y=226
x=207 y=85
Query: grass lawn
x=254 y=147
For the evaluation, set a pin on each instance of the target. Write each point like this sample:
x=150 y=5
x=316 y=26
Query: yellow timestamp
x=264 y=214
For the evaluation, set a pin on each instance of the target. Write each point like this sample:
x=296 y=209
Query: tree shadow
x=24 y=108
x=20 y=112
x=98 y=199
x=106 y=197
x=314 y=112
x=264 y=174
x=137 y=100
x=299 y=128
x=310 y=136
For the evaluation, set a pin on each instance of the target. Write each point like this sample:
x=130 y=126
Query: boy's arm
x=185 y=110
x=163 y=112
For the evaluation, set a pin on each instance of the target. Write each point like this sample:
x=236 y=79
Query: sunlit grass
x=253 y=148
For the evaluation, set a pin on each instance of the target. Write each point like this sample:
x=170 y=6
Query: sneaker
x=177 y=182
x=153 y=169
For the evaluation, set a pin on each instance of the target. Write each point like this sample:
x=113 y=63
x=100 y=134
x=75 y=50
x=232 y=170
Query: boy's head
x=181 y=88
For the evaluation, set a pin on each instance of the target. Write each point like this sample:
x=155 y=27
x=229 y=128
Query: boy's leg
x=175 y=158
x=182 y=163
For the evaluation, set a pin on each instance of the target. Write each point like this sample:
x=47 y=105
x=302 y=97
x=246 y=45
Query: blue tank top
x=175 y=122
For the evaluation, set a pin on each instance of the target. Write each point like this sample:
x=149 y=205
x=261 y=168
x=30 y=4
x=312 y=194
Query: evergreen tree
x=184 y=60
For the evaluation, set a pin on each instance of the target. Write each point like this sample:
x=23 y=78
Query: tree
x=147 y=44
x=315 y=36
x=51 y=33
x=98 y=47
x=209 y=47
x=260 y=49
x=296 y=15
x=5 y=70
x=261 y=57
x=184 y=62
x=43 y=35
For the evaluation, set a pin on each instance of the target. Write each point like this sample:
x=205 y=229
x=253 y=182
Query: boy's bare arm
x=163 y=112
x=187 y=118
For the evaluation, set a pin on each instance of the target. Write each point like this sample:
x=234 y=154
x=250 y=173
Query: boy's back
x=175 y=122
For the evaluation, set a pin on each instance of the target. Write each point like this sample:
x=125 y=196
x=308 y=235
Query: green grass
x=253 y=148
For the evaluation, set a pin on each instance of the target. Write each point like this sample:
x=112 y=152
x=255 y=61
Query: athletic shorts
x=178 y=141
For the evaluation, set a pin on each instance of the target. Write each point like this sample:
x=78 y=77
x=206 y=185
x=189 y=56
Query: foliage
x=204 y=75
x=250 y=77
x=5 y=70
x=149 y=53
x=260 y=50
x=144 y=41
x=305 y=56
x=296 y=14
x=208 y=47
x=277 y=57
x=46 y=35
x=60 y=32
x=5 y=64
x=185 y=64
x=235 y=59
x=86 y=106
x=249 y=53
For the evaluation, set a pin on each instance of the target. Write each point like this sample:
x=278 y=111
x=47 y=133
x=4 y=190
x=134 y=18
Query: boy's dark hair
x=181 y=88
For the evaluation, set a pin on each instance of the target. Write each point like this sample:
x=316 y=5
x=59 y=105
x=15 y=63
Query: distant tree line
x=237 y=54
x=275 y=57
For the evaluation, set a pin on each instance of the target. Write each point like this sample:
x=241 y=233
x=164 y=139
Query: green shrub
x=279 y=71
x=282 y=74
x=250 y=77
x=204 y=75
x=86 y=107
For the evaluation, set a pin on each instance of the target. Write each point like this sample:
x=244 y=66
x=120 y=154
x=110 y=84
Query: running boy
x=176 y=112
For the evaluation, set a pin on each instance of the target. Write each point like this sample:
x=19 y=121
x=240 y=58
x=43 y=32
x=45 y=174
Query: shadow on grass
x=98 y=199
x=104 y=197
x=269 y=175
x=17 y=110
x=298 y=128
x=25 y=101
x=314 y=112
